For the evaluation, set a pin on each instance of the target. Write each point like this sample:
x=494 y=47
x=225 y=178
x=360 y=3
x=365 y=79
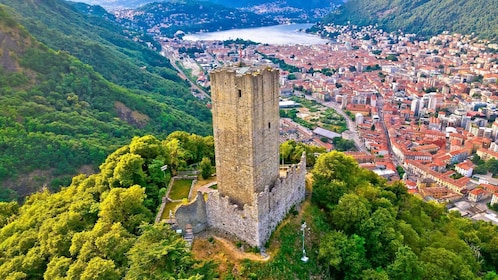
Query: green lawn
x=180 y=189
x=169 y=206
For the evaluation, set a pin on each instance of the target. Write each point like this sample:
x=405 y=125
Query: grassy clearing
x=180 y=189
x=285 y=249
x=169 y=206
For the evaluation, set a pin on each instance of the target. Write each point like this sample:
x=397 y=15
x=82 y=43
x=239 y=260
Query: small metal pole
x=304 y=258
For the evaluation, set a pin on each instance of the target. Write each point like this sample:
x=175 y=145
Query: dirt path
x=237 y=254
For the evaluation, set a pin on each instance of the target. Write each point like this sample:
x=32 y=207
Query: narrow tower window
x=269 y=125
x=240 y=93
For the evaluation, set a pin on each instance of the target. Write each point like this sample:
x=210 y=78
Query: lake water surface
x=288 y=34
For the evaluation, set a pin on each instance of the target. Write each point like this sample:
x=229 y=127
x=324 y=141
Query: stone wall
x=193 y=213
x=274 y=204
x=229 y=218
x=255 y=223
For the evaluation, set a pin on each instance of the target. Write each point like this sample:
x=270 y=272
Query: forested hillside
x=234 y=4
x=310 y=4
x=423 y=17
x=360 y=227
x=100 y=227
x=166 y=18
x=60 y=113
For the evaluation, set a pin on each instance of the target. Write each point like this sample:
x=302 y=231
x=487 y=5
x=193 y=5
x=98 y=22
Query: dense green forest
x=423 y=17
x=360 y=226
x=69 y=107
x=100 y=226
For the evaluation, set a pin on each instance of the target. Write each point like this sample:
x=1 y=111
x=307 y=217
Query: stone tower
x=246 y=130
x=252 y=196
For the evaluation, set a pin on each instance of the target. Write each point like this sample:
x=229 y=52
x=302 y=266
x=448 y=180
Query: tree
x=335 y=165
x=492 y=165
x=205 y=168
x=406 y=265
x=129 y=170
x=349 y=214
x=57 y=268
x=381 y=238
x=99 y=268
x=400 y=171
x=372 y=128
x=392 y=57
x=371 y=274
x=440 y=264
x=7 y=210
x=148 y=147
x=160 y=253
x=480 y=169
x=125 y=206
x=328 y=195
x=476 y=159
x=176 y=155
x=341 y=144
x=344 y=255
x=114 y=243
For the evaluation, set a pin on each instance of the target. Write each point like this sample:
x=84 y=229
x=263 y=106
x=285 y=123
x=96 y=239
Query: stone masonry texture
x=251 y=198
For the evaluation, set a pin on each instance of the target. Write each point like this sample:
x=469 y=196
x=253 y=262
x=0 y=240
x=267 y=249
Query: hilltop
x=423 y=17
x=359 y=227
x=71 y=94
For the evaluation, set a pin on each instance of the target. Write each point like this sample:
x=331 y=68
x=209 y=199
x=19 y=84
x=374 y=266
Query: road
x=350 y=124
x=380 y=104
x=173 y=58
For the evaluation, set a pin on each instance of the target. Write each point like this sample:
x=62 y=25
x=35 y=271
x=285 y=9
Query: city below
x=420 y=111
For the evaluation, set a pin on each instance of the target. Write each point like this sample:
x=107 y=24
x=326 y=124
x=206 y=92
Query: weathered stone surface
x=252 y=198
x=255 y=223
x=193 y=214
x=245 y=121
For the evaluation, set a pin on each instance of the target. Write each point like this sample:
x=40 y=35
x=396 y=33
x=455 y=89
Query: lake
x=286 y=34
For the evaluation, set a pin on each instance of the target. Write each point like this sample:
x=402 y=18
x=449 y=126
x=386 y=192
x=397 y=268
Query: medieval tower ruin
x=252 y=195
x=246 y=131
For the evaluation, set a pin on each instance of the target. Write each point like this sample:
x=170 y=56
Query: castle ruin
x=251 y=197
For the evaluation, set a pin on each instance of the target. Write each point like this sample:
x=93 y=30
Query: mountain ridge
x=59 y=114
x=122 y=4
x=422 y=17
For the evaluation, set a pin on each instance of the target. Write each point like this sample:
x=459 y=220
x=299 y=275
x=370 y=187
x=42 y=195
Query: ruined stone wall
x=274 y=204
x=230 y=218
x=255 y=223
x=193 y=213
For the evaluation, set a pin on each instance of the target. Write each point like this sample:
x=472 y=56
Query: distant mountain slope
x=302 y=4
x=166 y=18
x=309 y=4
x=58 y=114
x=424 y=17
